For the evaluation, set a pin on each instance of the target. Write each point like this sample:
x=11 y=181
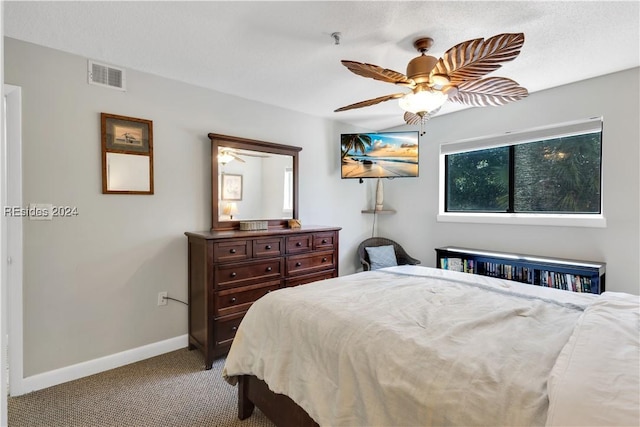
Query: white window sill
x=565 y=220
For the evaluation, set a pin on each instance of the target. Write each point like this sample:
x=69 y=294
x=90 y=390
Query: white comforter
x=595 y=379
x=409 y=346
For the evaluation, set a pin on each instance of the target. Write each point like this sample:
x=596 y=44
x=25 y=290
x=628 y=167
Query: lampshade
x=230 y=209
x=422 y=101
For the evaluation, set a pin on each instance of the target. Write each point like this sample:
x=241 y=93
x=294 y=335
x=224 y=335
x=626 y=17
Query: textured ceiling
x=282 y=53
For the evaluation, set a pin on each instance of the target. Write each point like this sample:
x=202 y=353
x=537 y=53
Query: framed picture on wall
x=127 y=155
x=231 y=186
x=127 y=134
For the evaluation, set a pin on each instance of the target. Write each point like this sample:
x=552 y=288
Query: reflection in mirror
x=252 y=180
x=254 y=185
x=127 y=173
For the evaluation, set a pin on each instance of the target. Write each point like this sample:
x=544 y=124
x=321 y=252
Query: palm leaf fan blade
x=491 y=91
x=416 y=119
x=474 y=59
x=412 y=119
x=377 y=73
x=369 y=102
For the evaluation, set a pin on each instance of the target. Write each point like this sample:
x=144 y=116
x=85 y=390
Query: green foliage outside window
x=478 y=181
x=559 y=175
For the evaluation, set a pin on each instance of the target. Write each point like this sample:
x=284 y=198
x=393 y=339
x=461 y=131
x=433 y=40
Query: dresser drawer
x=234 y=250
x=267 y=247
x=225 y=329
x=299 y=243
x=324 y=241
x=307 y=263
x=246 y=273
x=308 y=278
x=235 y=300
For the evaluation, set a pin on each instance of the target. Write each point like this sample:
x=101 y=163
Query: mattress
x=412 y=345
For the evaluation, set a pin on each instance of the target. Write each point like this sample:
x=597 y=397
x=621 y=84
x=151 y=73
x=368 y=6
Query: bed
x=412 y=345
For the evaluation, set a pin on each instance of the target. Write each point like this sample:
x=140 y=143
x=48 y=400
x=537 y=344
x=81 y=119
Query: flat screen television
x=379 y=154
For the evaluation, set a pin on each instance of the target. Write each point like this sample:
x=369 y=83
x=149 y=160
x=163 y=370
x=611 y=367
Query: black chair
x=402 y=257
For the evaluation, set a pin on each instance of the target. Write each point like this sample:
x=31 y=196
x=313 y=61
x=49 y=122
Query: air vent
x=106 y=75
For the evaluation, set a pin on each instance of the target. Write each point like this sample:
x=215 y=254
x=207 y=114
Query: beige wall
x=91 y=282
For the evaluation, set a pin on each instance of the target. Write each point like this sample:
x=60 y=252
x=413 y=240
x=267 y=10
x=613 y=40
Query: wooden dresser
x=229 y=270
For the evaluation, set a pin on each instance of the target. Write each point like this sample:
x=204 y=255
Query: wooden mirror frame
x=124 y=153
x=218 y=140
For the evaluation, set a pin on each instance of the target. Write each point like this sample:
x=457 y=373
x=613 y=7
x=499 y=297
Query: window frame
x=597 y=220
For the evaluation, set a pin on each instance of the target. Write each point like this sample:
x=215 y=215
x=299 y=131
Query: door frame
x=12 y=246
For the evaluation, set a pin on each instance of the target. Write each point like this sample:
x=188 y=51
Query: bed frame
x=280 y=409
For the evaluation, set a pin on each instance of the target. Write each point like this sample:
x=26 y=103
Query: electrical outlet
x=162 y=298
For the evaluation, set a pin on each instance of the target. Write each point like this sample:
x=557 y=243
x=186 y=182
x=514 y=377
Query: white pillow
x=381 y=256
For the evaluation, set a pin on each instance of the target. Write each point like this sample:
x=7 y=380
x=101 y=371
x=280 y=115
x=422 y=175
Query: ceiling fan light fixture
x=423 y=101
x=439 y=80
x=224 y=158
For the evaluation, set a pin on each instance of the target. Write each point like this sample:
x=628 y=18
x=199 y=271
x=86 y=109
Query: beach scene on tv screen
x=373 y=155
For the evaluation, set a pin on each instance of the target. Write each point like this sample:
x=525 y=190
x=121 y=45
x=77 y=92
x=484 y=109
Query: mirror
x=127 y=155
x=127 y=173
x=252 y=180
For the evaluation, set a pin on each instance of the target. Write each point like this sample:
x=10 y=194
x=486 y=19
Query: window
x=287 y=205
x=552 y=172
x=478 y=181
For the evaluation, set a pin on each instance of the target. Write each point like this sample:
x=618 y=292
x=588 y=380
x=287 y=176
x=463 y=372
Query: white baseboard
x=90 y=367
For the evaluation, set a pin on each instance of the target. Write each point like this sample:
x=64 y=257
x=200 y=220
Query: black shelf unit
x=565 y=274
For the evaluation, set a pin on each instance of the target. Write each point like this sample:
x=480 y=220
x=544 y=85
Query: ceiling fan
x=225 y=155
x=456 y=77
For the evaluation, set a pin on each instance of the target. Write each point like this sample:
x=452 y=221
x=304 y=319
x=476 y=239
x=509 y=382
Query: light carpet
x=168 y=390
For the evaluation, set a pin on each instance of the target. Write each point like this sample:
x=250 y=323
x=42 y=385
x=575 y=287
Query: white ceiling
x=282 y=53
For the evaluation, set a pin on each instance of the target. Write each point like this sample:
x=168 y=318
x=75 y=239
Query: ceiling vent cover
x=106 y=75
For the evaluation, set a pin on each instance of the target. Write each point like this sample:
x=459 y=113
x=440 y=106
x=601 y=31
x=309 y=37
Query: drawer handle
x=269 y=269
x=233 y=251
x=233 y=274
x=234 y=328
x=299 y=244
x=298 y=264
x=232 y=300
x=324 y=240
x=324 y=259
x=267 y=247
